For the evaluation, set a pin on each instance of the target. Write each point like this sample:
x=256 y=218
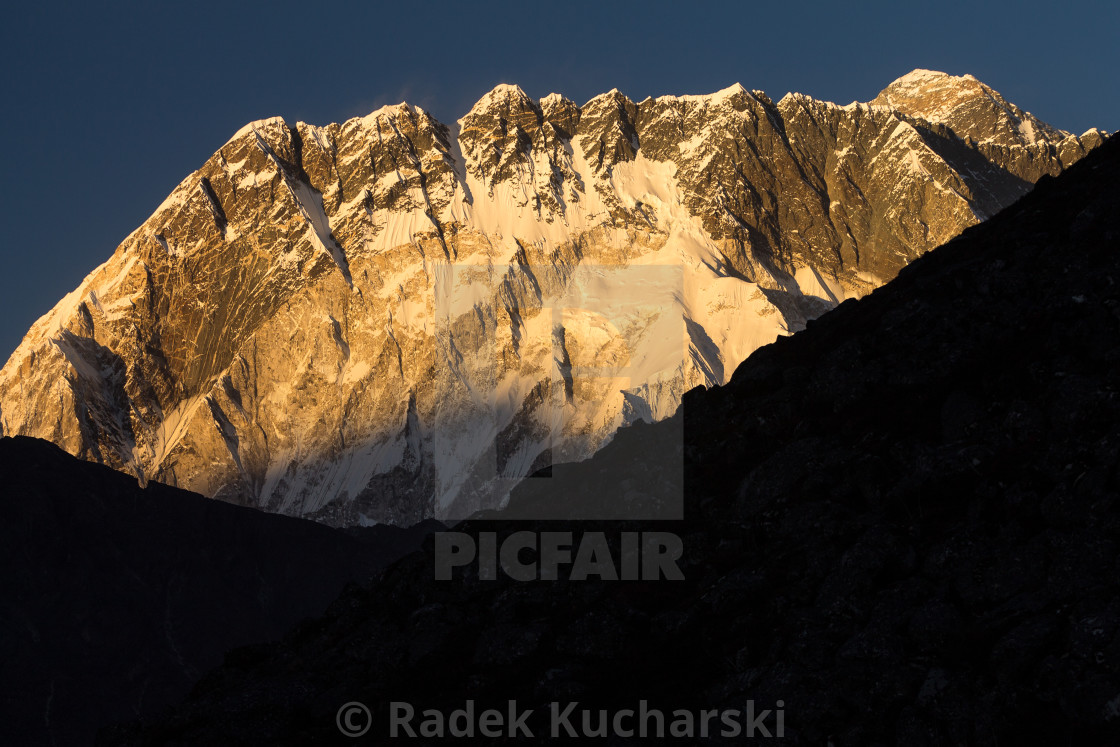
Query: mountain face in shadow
x=903 y=523
x=115 y=599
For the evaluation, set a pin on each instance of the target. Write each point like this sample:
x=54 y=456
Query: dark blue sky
x=105 y=111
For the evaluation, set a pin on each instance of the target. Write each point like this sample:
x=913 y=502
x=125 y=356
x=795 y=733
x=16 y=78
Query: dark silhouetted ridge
x=116 y=599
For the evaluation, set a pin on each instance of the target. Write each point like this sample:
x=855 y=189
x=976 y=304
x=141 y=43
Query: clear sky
x=106 y=111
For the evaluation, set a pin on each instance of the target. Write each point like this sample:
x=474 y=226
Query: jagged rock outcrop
x=390 y=318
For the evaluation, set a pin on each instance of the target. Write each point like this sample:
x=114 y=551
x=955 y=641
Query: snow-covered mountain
x=392 y=318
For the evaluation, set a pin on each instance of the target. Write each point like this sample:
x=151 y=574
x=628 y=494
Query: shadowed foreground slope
x=903 y=523
x=114 y=599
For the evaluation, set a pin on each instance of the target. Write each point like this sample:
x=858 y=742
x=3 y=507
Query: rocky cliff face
x=391 y=318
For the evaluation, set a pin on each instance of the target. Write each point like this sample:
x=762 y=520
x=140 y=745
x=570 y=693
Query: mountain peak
x=921 y=85
x=502 y=97
x=970 y=108
x=556 y=101
x=713 y=98
x=389 y=111
x=614 y=96
x=921 y=75
x=731 y=90
x=256 y=125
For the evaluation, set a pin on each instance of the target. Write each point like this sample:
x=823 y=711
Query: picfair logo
x=550 y=556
